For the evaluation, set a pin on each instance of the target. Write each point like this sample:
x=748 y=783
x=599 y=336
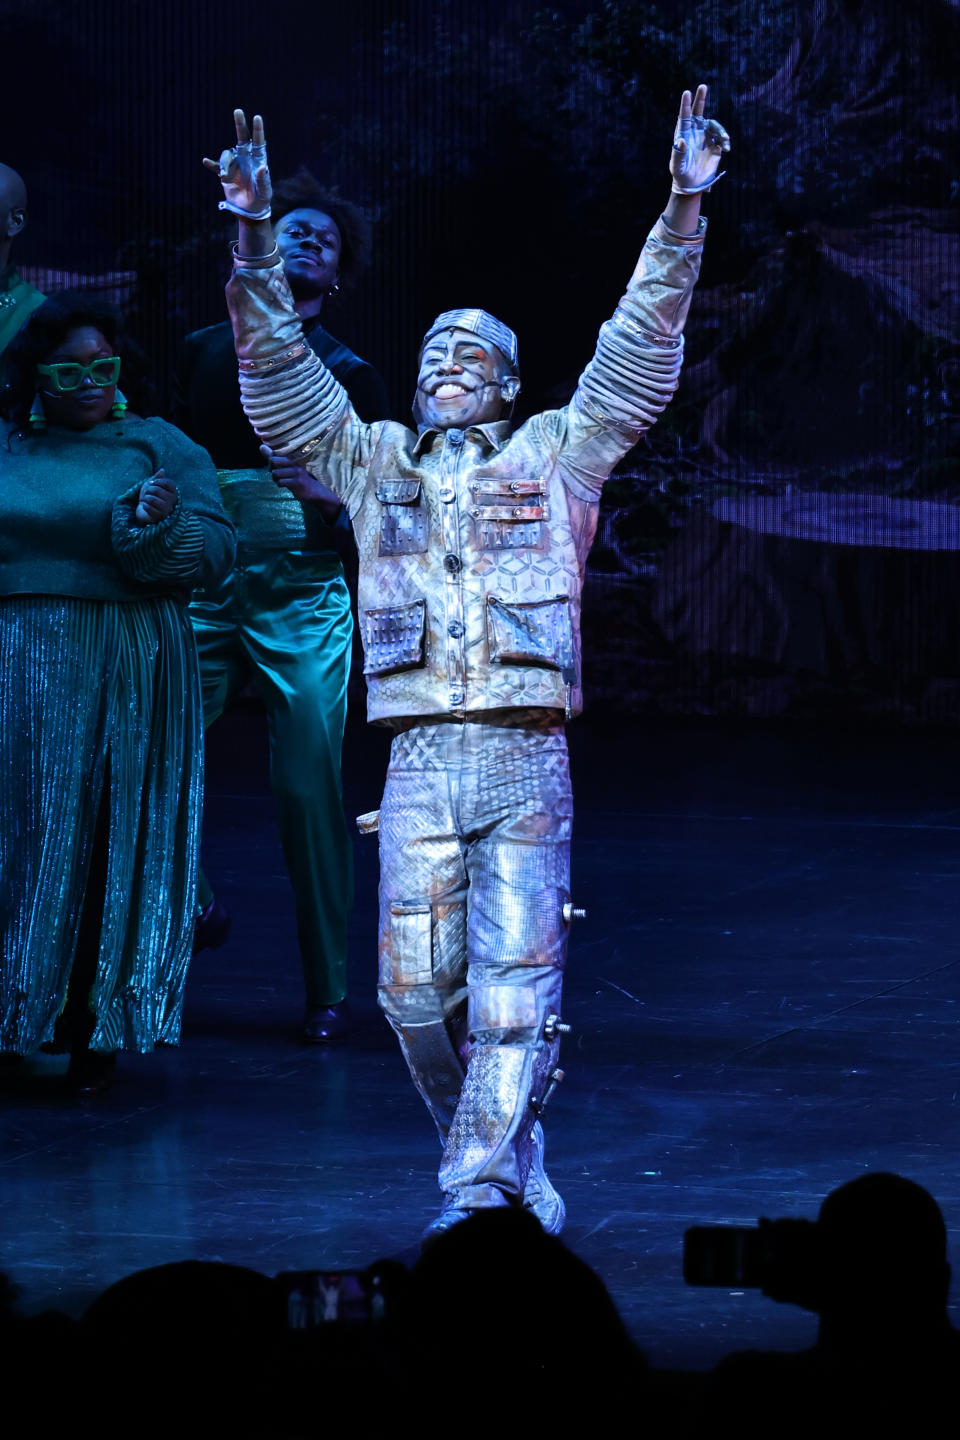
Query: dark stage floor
x=765 y=999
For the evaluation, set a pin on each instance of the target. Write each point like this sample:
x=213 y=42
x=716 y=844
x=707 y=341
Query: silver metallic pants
x=474 y=875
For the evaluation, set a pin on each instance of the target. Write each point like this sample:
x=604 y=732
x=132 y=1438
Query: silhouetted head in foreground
x=520 y=1308
x=883 y=1258
x=886 y=1357
x=217 y=1328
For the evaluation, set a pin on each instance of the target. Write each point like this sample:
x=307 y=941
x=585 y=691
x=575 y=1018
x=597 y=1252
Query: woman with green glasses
x=108 y=520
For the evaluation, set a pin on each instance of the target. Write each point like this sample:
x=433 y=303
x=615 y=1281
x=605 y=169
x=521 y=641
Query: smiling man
x=473 y=540
x=465 y=379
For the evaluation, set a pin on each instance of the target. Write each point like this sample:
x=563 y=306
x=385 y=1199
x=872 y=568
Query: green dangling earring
x=37 y=420
x=119 y=408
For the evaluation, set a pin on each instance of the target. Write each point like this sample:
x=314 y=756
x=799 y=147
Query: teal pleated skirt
x=100 y=715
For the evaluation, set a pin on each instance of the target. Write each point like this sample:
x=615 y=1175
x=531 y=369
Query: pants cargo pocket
x=410 y=960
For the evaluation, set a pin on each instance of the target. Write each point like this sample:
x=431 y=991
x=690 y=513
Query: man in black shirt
x=282 y=617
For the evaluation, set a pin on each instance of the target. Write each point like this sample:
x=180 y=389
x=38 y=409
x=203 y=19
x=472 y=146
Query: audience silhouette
x=887 y=1358
x=498 y=1318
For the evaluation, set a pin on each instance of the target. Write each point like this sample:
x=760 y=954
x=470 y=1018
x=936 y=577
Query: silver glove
x=697 y=147
x=243 y=173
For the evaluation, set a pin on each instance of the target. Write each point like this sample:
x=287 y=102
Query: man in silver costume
x=473 y=539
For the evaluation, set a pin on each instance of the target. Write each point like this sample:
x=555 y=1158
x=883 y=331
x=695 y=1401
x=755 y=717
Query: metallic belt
x=530 y=717
x=270 y=518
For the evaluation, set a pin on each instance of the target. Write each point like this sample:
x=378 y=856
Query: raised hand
x=243 y=172
x=157 y=497
x=698 y=145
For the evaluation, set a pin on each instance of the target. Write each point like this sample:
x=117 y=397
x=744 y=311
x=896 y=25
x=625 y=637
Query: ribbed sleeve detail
x=294 y=408
x=289 y=396
x=171 y=550
x=636 y=367
x=629 y=381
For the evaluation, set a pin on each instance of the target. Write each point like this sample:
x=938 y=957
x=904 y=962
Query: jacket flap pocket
x=509 y=512
x=532 y=632
x=504 y=488
x=398 y=492
x=393 y=638
x=508 y=502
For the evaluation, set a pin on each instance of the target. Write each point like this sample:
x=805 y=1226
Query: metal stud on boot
x=539 y=1195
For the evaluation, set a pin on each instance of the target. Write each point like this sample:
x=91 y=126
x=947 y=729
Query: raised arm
x=290 y=398
x=636 y=367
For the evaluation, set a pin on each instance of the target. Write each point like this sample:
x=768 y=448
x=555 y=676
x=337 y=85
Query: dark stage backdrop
x=787 y=541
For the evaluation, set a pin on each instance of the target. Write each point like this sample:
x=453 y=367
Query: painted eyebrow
x=431 y=350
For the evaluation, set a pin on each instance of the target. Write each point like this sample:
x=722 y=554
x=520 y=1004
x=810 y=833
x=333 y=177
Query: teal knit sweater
x=67 y=504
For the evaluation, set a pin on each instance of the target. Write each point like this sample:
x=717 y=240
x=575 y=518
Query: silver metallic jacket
x=472 y=543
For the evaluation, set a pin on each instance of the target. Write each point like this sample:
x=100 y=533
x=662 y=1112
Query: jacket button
x=446 y=493
x=455 y=628
x=452 y=564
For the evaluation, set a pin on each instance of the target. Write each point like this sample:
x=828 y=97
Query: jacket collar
x=495 y=432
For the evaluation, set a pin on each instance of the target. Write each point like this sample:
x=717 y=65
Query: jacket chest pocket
x=509 y=514
x=404 y=522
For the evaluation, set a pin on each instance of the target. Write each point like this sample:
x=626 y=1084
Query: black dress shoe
x=91 y=1072
x=326 y=1024
x=211 y=927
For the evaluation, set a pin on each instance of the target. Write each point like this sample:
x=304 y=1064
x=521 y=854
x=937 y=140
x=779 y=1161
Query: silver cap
x=478 y=322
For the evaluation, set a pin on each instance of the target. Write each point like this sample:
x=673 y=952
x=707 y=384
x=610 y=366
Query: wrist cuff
x=256 y=262
x=244 y=214
x=677 y=237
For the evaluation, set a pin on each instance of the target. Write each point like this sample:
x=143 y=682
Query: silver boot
x=539 y=1195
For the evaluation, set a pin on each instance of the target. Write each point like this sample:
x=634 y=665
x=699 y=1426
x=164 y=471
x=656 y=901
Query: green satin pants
x=282 y=619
